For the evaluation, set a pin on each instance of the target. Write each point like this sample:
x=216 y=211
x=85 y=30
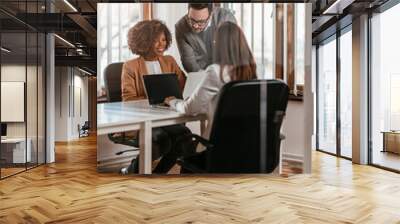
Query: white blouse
x=153 y=67
x=205 y=98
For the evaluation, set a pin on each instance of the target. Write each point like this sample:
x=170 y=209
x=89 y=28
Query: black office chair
x=112 y=81
x=245 y=135
x=84 y=129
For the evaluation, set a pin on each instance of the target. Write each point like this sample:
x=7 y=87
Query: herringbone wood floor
x=71 y=191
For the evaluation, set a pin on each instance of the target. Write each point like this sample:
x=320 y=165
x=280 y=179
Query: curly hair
x=142 y=36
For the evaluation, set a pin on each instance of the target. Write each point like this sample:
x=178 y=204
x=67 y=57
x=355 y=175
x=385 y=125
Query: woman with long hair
x=233 y=61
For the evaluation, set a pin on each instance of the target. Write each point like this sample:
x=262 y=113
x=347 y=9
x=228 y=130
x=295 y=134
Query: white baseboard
x=292 y=157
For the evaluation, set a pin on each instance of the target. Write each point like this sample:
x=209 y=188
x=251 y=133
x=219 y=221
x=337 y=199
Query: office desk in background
x=13 y=150
x=391 y=141
x=138 y=115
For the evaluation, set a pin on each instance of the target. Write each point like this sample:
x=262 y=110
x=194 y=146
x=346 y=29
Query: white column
x=308 y=93
x=360 y=90
x=50 y=99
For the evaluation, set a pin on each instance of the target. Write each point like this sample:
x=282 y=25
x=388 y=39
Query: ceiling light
x=70 y=5
x=5 y=50
x=64 y=40
x=337 y=7
x=84 y=71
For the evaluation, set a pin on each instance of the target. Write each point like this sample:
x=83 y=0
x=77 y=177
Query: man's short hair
x=200 y=6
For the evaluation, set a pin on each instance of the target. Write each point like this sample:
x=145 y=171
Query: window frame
x=378 y=10
x=333 y=37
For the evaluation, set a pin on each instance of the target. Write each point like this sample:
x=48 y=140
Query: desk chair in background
x=245 y=136
x=112 y=82
x=83 y=130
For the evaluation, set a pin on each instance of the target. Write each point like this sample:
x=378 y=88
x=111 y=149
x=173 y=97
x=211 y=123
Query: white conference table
x=138 y=115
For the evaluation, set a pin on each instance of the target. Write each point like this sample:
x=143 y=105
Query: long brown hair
x=231 y=49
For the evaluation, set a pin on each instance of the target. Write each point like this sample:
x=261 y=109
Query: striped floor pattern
x=71 y=191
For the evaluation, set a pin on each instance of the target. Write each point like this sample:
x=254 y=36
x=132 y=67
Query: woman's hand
x=168 y=100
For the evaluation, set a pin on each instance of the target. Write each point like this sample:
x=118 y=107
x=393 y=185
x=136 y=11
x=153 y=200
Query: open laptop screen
x=160 y=86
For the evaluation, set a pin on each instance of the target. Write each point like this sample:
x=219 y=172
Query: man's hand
x=168 y=100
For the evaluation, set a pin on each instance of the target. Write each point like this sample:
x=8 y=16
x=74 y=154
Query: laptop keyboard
x=161 y=106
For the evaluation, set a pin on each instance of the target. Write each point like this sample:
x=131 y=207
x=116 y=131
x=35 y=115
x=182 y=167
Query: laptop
x=160 y=86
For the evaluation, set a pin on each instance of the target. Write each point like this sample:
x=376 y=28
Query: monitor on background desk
x=12 y=98
x=3 y=130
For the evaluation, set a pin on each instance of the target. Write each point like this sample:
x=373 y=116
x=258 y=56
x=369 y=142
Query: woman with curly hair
x=149 y=40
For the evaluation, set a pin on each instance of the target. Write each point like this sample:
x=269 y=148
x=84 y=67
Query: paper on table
x=192 y=82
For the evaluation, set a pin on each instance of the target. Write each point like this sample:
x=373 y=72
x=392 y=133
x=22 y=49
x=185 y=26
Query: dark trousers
x=165 y=138
x=164 y=145
x=198 y=161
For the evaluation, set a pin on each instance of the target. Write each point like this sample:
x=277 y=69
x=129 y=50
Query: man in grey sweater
x=195 y=34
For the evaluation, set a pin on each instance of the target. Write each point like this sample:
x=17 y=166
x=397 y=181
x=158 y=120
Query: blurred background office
x=46 y=81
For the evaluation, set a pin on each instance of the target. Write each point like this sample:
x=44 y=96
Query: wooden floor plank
x=72 y=191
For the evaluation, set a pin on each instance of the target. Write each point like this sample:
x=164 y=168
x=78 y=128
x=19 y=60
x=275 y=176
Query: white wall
x=17 y=73
x=293 y=128
x=12 y=73
x=69 y=85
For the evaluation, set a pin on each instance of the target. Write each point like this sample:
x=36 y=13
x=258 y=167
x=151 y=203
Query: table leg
x=278 y=169
x=145 y=148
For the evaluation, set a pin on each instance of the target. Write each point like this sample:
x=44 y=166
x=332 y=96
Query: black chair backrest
x=86 y=125
x=246 y=127
x=112 y=81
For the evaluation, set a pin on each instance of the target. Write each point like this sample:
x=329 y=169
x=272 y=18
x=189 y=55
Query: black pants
x=164 y=145
x=198 y=161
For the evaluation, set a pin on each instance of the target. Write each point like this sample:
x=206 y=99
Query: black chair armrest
x=124 y=151
x=199 y=139
x=282 y=136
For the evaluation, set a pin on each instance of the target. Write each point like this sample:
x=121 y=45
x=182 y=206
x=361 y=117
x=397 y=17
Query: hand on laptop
x=168 y=100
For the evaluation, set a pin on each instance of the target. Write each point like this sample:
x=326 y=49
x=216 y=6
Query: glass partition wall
x=22 y=76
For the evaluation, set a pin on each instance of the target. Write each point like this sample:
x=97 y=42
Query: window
x=326 y=96
x=113 y=31
x=346 y=94
x=299 y=43
x=257 y=22
x=334 y=94
x=385 y=88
